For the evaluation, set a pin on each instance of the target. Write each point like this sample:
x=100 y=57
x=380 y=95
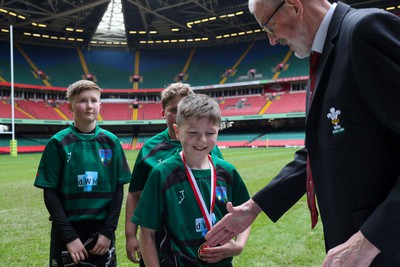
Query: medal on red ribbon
x=207 y=214
x=200 y=250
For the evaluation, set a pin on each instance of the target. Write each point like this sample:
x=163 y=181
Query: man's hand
x=236 y=221
x=133 y=249
x=355 y=252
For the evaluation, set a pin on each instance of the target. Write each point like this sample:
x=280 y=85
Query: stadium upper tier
x=152 y=68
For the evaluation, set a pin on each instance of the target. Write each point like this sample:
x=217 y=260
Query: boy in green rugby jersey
x=154 y=151
x=186 y=194
x=82 y=172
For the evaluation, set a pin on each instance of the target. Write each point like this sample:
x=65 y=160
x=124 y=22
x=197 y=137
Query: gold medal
x=200 y=250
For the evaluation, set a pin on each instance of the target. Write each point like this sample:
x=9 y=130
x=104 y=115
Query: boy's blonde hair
x=77 y=87
x=198 y=106
x=174 y=90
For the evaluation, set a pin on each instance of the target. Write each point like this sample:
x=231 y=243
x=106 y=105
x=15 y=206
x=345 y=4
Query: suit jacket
x=352 y=136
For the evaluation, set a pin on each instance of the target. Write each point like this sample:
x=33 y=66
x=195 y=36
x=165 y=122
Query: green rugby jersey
x=168 y=202
x=155 y=150
x=85 y=169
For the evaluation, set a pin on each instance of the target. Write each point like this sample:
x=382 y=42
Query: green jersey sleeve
x=50 y=170
x=148 y=213
x=123 y=170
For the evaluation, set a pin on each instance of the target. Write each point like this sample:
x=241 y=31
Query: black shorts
x=84 y=230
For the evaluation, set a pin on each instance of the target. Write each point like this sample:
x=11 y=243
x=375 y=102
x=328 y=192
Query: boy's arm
x=232 y=248
x=241 y=239
x=111 y=223
x=148 y=246
x=132 y=243
x=58 y=216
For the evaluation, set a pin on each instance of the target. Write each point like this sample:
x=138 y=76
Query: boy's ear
x=163 y=113
x=69 y=105
x=176 y=130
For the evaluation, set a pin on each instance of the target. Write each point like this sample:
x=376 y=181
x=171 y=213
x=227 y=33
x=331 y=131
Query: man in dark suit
x=352 y=131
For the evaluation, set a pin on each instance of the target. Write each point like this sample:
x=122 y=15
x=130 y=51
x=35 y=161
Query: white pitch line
x=4 y=211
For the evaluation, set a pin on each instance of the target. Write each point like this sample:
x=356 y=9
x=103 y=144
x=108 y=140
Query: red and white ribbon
x=207 y=215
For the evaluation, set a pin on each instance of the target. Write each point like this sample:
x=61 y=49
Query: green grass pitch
x=25 y=229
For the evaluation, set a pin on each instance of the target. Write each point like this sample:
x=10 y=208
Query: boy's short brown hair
x=198 y=106
x=82 y=85
x=174 y=90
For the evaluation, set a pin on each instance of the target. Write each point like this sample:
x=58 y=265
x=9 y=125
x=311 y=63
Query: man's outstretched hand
x=236 y=221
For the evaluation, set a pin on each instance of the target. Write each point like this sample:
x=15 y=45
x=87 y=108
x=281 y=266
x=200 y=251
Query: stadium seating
x=296 y=67
x=112 y=69
x=157 y=67
x=116 y=111
x=126 y=141
x=236 y=139
x=241 y=105
x=288 y=103
x=142 y=139
x=285 y=103
x=39 y=109
x=63 y=107
x=23 y=72
x=261 y=57
x=208 y=65
x=61 y=65
x=5 y=111
x=149 y=111
x=30 y=144
x=280 y=139
x=25 y=145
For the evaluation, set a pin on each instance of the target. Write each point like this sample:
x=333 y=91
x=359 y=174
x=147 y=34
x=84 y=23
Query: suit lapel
x=333 y=31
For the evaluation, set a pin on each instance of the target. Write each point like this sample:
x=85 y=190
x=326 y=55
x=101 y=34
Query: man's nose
x=272 y=39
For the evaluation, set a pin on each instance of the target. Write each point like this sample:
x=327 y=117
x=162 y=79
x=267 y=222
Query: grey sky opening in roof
x=112 y=26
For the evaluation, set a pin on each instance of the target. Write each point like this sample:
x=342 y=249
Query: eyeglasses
x=265 y=25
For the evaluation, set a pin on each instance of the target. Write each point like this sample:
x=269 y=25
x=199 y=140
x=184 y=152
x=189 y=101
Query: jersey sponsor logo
x=105 y=156
x=88 y=180
x=200 y=225
x=181 y=196
x=221 y=194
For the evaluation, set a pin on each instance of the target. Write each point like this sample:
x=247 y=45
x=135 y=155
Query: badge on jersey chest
x=105 y=156
x=222 y=196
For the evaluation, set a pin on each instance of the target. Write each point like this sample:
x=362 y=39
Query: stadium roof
x=137 y=23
